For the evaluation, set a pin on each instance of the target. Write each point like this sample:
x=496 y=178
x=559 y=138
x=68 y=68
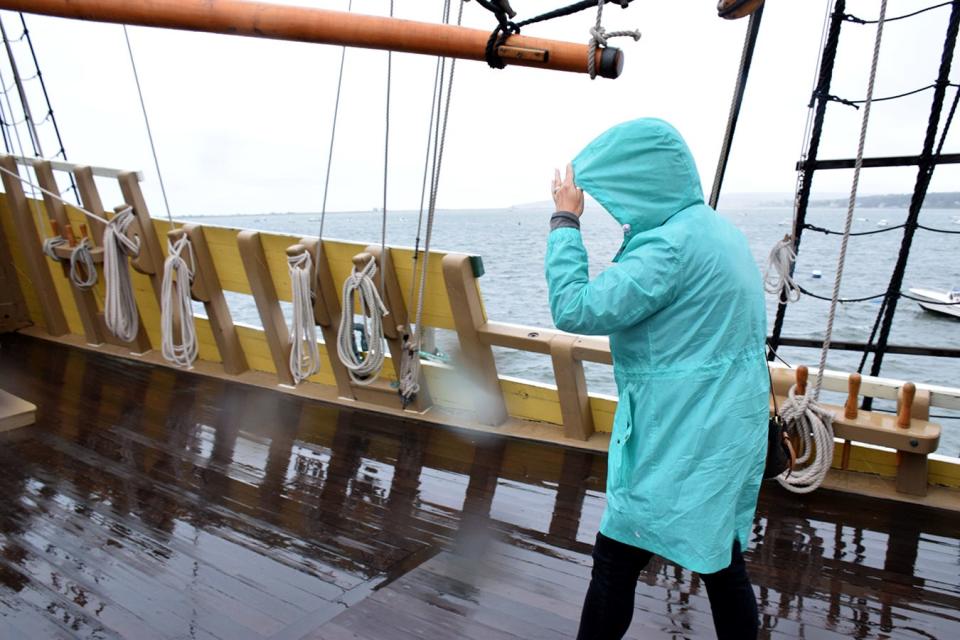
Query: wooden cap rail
x=302 y=24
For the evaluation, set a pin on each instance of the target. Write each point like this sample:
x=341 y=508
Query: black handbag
x=780 y=454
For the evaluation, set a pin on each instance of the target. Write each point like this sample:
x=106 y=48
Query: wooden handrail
x=303 y=24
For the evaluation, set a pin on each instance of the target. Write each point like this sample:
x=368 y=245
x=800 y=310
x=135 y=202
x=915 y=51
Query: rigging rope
x=410 y=358
x=363 y=369
x=804 y=417
x=174 y=296
x=146 y=121
x=175 y=299
x=304 y=352
x=120 y=307
x=83 y=272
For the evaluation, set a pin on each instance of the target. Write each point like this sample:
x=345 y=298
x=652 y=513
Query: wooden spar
x=303 y=24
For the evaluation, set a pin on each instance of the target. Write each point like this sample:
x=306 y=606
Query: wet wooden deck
x=148 y=503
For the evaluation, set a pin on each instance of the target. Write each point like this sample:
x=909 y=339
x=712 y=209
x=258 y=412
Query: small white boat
x=938 y=301
x=816 y=274
x=882 y=223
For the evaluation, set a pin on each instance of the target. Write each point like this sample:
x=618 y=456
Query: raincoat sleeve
x=639 y=285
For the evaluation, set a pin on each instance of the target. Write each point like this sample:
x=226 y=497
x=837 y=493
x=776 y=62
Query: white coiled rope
x=50 y=245
x=813 y=426
x=120 y=307
x=177 y=300
x=805 y=418
x=304 y=353
x=777 y=278
x=363 y=369
x=83 y=272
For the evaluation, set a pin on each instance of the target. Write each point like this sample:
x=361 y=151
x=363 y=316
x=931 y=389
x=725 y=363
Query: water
x=512 y=243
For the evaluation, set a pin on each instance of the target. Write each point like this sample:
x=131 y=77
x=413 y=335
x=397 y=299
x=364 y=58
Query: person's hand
x=566 y=195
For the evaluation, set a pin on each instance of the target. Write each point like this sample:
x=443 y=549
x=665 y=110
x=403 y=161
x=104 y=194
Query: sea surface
x=512 y=243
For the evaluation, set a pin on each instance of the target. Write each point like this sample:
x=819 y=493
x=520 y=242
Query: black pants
x=608 y=608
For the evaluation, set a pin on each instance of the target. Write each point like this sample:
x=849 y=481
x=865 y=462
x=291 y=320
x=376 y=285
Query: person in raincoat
x=684 y=308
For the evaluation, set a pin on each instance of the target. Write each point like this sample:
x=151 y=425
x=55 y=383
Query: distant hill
x=943 y=200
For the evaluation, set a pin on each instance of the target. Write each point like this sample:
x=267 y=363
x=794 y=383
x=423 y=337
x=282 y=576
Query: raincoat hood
x=641 y=172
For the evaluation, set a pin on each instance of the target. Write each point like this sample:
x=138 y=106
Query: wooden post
x=477 y=358
x=850 y=410
x=90 y=197
x=912 y=472
x=150 y=260
x=571 y=387
x=905 y=404
x=87 y=309
x=206 y=288
x=268 y=304
x=802 y=374
x=302 y=24
x=29 y=241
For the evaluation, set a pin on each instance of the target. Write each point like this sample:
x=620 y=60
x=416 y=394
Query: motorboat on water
x=947 y=303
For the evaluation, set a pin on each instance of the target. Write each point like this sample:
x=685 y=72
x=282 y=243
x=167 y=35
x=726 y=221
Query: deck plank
x=152 y=503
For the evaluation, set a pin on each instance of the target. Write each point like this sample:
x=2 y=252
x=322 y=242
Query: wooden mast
x=282 y=22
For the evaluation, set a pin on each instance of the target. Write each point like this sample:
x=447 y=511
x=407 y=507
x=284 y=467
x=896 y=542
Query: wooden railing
x=254 y=263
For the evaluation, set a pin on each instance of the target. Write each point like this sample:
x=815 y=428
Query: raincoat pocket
x=622 y=430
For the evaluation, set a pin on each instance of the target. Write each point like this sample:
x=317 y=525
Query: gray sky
x=242 y=125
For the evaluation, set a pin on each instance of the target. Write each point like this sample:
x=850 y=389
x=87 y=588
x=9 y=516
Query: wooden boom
x=283 y=22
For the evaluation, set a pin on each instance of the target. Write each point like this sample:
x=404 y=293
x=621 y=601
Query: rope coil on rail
x=50 y=245
x=812 y=426
x=120 y=306
x=304 y=352
x=83 y=271
x=363 y=369
x=176 y=299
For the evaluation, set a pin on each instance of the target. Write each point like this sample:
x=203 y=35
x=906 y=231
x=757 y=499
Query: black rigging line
x=854 y=19
x=834 y=232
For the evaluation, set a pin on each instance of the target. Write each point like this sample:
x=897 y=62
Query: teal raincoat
x=684 y=308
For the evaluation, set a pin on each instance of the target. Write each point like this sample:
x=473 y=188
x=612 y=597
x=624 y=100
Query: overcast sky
x=242 y=125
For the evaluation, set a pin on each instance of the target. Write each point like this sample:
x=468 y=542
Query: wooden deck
x=148 y=503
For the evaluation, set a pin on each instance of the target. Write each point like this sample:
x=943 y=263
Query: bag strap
x=776 y=410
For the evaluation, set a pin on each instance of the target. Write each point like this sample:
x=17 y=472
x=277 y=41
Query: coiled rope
x=304 y=353
x=804 y=417
x=363 y=369
x=778 y=278
x=50 y=245
x=175 y=299
x=599 y=37
x=120 y=306
x=83 y=271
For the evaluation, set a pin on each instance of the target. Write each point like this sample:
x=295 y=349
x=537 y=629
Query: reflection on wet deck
x=148 y=503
